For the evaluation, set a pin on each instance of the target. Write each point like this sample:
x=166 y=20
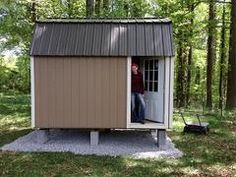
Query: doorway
x=153 y=80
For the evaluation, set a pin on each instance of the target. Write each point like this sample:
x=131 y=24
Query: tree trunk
x=190 y=56
x=97 y=7
x=89 y=8
x=222 y=60
x=211 y=54
x=180 y=90
x=179 y=84
x=231 y=89
x=33 y=11
x=69 y=8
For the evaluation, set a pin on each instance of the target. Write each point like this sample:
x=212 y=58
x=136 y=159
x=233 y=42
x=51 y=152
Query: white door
x=153 y=72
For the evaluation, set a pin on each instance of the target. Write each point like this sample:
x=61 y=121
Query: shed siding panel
x=67 y=91
x=59 y=91
x=121 y=93
x=80 y=92
x=51 y=88
x=75 y=89
x=83 y=102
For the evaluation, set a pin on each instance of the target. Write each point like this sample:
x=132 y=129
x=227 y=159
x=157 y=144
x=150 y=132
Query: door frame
x=151 y=125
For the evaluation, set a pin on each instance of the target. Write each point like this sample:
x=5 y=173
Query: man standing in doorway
x=137 y=95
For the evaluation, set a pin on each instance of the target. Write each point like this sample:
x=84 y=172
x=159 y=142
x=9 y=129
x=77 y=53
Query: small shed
x=81 y=72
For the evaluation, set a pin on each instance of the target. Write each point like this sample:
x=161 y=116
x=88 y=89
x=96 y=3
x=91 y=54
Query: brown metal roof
x=103 y=37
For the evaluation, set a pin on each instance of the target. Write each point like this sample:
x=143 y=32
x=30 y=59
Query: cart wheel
x=205 y=131
x=185 y=129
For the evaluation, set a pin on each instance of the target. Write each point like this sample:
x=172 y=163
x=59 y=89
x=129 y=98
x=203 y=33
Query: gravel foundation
x=139 y=144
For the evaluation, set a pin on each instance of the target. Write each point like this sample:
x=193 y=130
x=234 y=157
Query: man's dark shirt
x=137 y=83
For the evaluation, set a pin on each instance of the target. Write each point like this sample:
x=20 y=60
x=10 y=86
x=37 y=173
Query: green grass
x=210 y=155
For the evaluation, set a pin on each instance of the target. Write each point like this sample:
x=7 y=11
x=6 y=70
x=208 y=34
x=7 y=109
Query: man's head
x=134 y=68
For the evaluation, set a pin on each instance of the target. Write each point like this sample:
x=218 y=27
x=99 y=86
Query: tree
x=222 y=59
x=97 y=7
x=211 y=51
x=231 y=87
x=89 y=8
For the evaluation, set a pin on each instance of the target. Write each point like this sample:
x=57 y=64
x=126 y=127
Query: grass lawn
x=210 y=155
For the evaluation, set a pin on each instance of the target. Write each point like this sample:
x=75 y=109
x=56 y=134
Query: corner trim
x=32 y=92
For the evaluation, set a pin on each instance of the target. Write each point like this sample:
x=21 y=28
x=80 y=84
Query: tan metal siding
x=80 y=92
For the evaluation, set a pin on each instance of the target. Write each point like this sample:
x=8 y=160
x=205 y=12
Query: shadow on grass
x=67 y=164
x=7 y=136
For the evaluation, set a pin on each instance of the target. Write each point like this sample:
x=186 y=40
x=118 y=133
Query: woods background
x=204 y=31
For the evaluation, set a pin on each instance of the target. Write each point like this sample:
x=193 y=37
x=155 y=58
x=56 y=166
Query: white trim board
x=147 y=126
x=128 y=92
x=166 y=91
x=32 y=92
x=171 y=85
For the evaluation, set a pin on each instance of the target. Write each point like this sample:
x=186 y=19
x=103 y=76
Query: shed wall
x=80 y=92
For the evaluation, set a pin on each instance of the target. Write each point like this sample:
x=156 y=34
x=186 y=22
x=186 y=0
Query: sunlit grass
x=205 y=155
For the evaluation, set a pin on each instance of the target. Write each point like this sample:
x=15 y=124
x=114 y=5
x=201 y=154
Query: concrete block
x=42 y=136
x=161 y=137
x=94 y=138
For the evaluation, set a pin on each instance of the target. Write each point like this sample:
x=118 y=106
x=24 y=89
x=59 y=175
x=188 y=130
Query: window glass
x=146 y=64
x=146 y=85
x=155 y=64
x=150 y=75
x=155 y=75
x=155 y=86
x=146 y=75
x=150 y=86
x=151 y=65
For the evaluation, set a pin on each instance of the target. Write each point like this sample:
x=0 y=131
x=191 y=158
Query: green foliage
x=60 y=9
x=14 y=77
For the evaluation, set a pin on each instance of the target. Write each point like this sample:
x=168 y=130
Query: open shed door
x=153 y=71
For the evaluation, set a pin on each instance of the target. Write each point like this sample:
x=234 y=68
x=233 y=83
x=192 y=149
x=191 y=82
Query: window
x=151 y=75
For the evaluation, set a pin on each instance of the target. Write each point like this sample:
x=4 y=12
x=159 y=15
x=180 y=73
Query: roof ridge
x=106 y=20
